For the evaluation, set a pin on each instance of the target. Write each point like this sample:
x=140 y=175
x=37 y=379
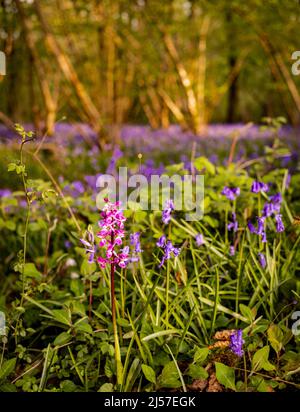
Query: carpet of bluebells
x=135 y=300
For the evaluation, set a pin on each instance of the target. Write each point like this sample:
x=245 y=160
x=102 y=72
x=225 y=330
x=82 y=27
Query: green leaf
x=87 y=268
x=8 y=387
x=62 y=338
x=106 y=387
x=7 y=368
x=68 y=386
x=133 y=374
x=203 y=163
x=169 y=377
x=200 y=355
x=31 y=271
x=247 y=312
x=196 y=371
x=11 y=167
x=261 y=360
x=123 y=322
x=149 y=373
x=62 y=316
x=83 y=326
x=275 y=337
x=225 y=375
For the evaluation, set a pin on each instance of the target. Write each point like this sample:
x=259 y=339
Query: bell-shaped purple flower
x=231 y=192
x=262 y=260
x=236 y=342
x=199 y=239
x=279 y=223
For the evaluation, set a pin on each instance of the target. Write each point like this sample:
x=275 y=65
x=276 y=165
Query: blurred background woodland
x=114 y=62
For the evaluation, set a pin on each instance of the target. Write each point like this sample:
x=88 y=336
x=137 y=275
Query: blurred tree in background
x=111 y=62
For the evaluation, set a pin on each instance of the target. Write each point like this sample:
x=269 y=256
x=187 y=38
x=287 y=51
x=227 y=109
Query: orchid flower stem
x=119 y=366
x=167 y=292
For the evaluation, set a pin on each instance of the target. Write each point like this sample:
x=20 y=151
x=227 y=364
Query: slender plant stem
x=114 y=321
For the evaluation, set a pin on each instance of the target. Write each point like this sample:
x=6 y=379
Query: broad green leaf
x=7 y=368
x=196 y=371
x=275 y=337
x=169 y=377
x=200 y=355
x=62 y=316
x=225 y=375
x=203 y=163
x=31 y=271
x=261 y=360
x=106 y=387
x=83 y=326
x=149 y=373
x=62 y=338
x=247 y=312
x=68 y=386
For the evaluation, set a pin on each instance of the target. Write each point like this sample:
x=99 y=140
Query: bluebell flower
x=234 y=224
x=262 y=260
x=231 y=251
x=166 y=214
x=251 y=227
x=168 y=249
x=161 y=241
x=273 y=206
x=236 y=342
x=231 y=193
x=89 y=245
x=199 y=239
x=135 y=241
x=279 y=223
x=258 y=187
x=260 y=225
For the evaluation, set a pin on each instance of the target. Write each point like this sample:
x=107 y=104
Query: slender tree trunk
x=232 y=61
x=49 y=102
x=68 y=70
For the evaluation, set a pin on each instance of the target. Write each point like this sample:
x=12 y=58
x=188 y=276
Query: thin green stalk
x=167 y=292
x=119 y=365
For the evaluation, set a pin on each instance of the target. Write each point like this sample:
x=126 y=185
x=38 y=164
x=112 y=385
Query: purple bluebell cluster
x=231 y=192
x=168 y=249
x=234 y=224
x=236 y=342
x=270 y=208
x=258 y=187
x=136 y=244
x=166 y=214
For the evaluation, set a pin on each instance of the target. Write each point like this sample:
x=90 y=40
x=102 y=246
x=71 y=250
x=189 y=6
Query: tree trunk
x=68 y=70
x=49 y=102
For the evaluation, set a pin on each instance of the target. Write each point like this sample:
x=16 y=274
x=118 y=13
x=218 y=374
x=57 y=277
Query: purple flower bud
x=234 y=224
x=262 y=260
x=251 y=227
x=161 y=241
x=279 y=223
x=199 y=239
x=166 y=214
